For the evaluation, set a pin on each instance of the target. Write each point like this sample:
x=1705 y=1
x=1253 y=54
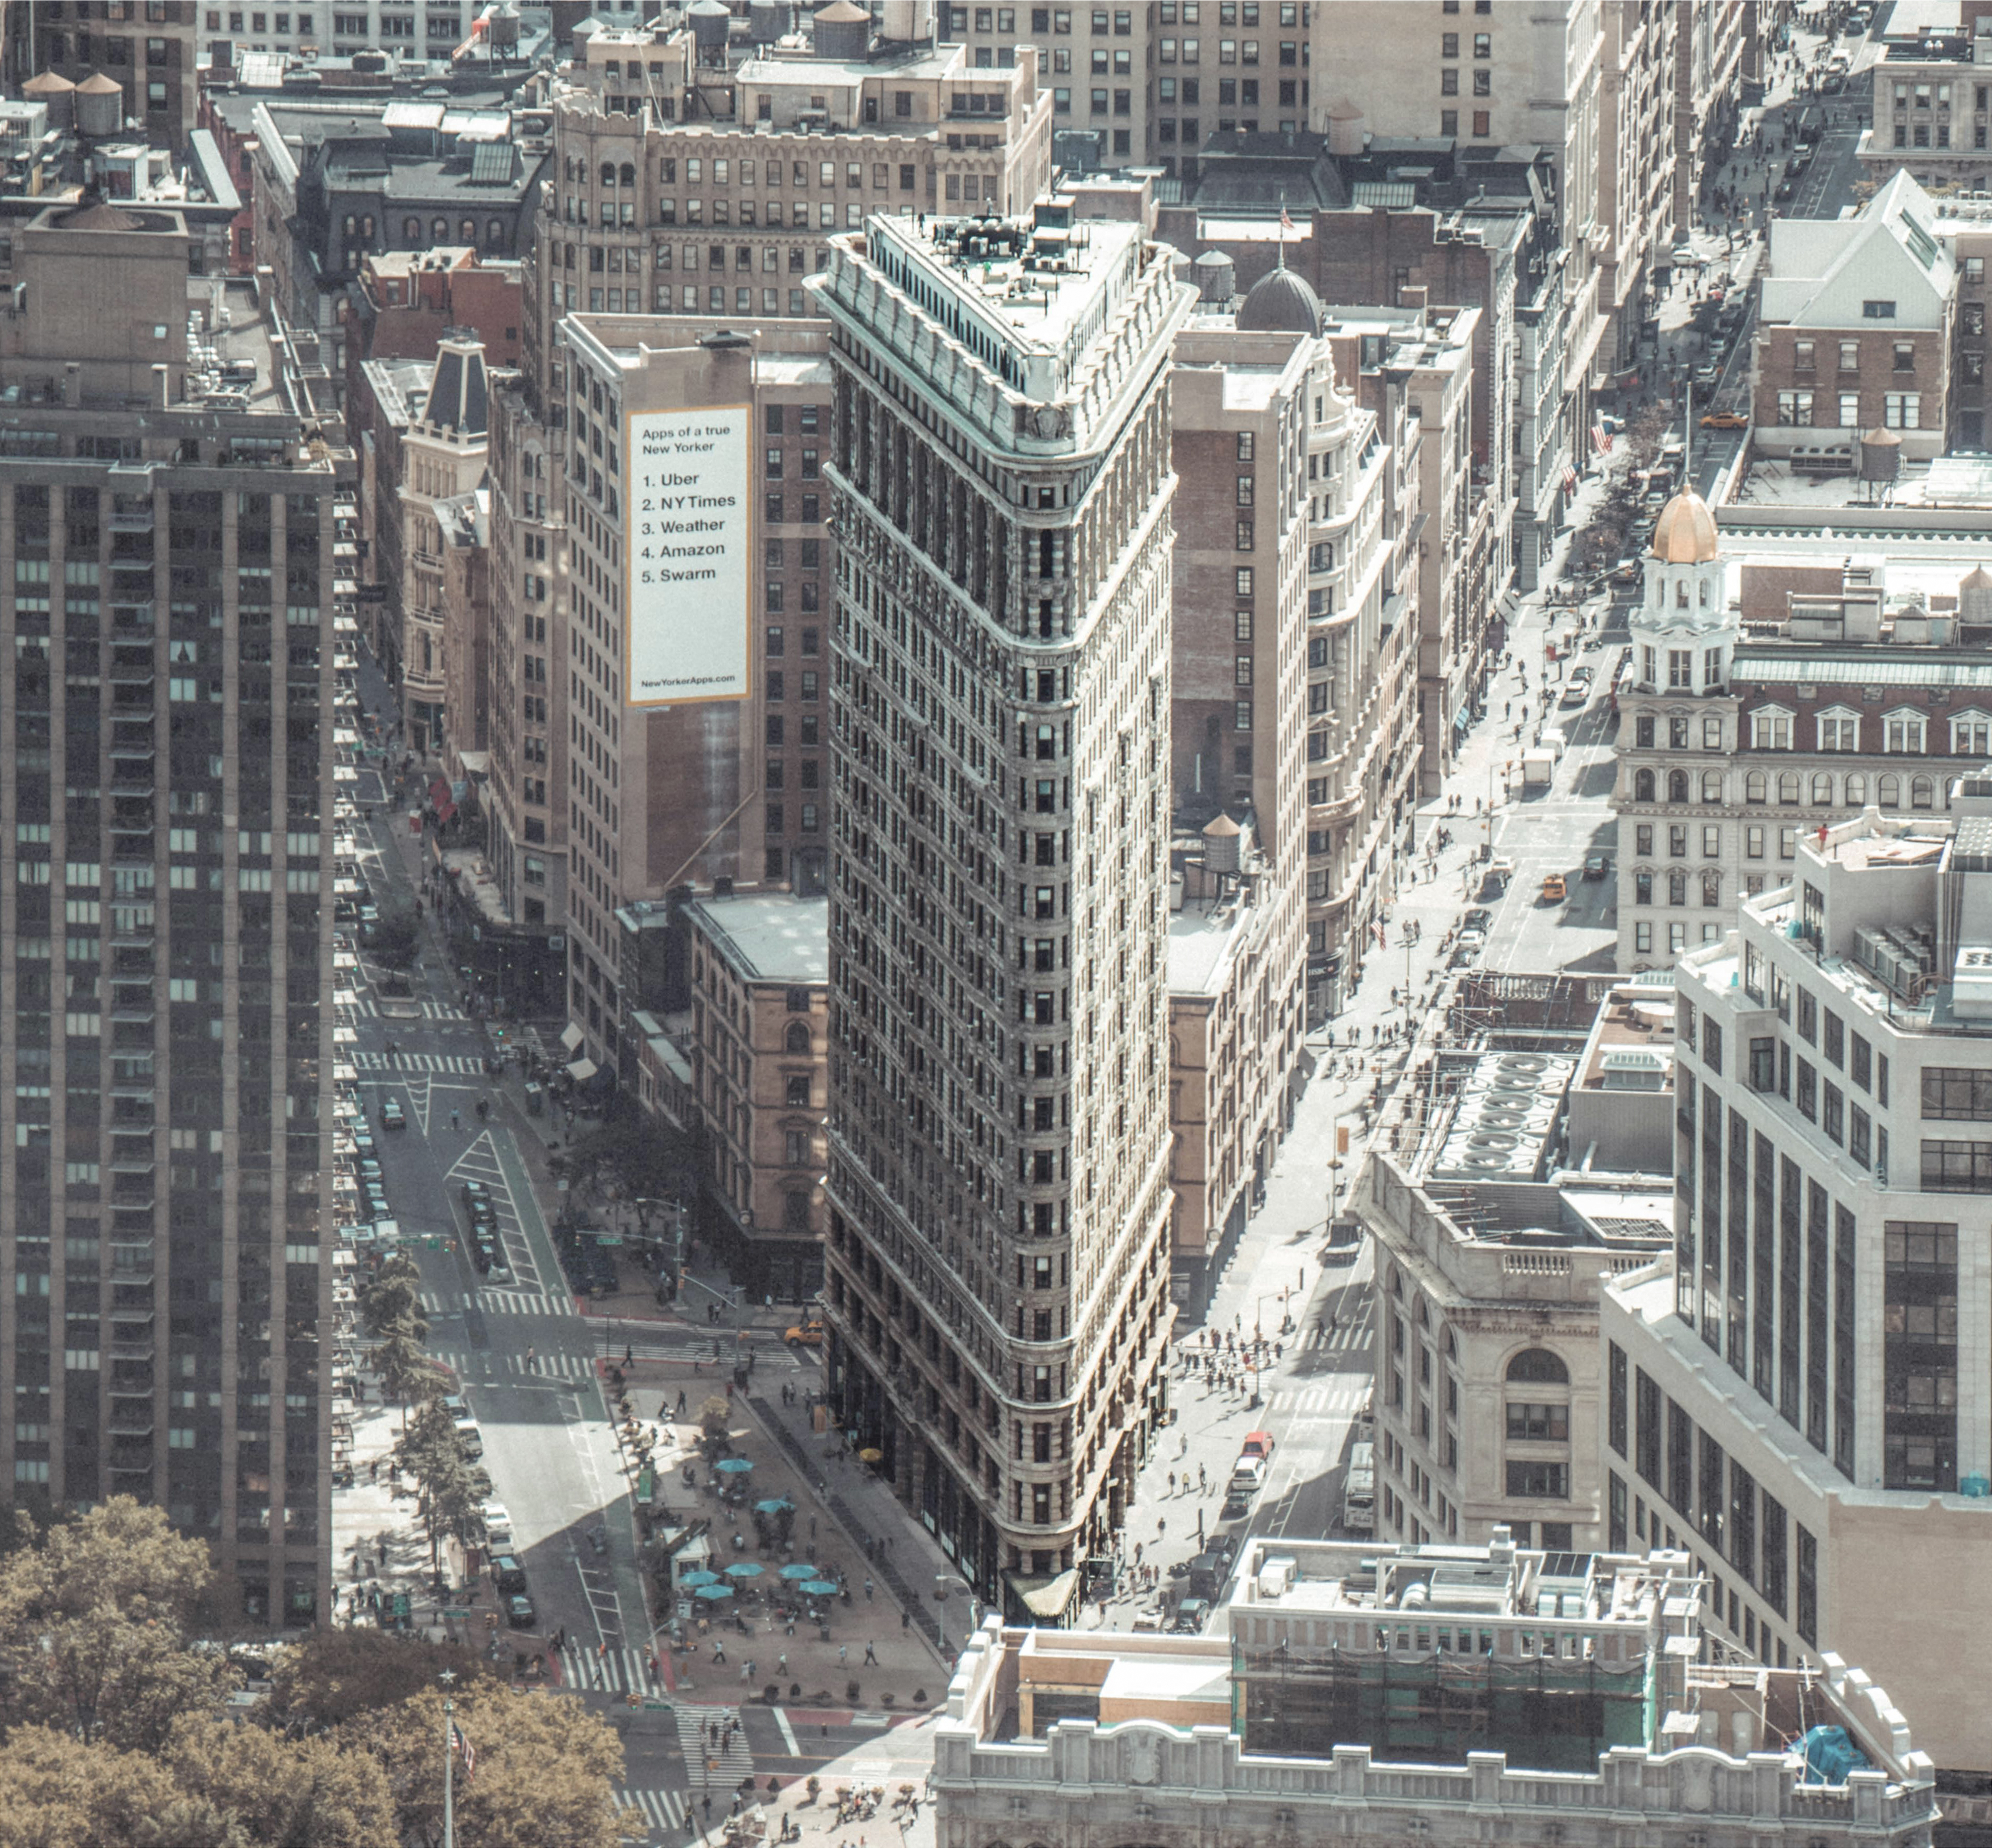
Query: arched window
x=494 y=234
x=1821 y=789
x=412 y=230
x=466 y=231
x=1680 y=593
x=1704 y=593
x=608 y=173
x=1922 y=793
x=1857 y=791
x=351 y=225
x=1889 y=791
x=1539 y=1366
x=1788 y=785
x=1712 y=785
x=367 y=228
x=1397 y=1284
x=629 y=175
x=1419 y=1316
x=1642 y=785
x=1756 y=787
x=439 y=231
x=797 y=1037
x=1677 y=786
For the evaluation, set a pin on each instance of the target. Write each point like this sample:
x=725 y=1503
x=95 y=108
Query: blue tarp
x=1830 y=1755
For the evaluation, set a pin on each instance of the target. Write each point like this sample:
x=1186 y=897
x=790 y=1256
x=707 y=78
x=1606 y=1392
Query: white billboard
x=689 y=631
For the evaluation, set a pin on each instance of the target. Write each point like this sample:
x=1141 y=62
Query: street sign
x=608 y=1238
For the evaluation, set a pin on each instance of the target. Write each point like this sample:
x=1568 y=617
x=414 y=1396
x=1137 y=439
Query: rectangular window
x=1919 y=1355
x=1807 y=1619
x=1617 y=1407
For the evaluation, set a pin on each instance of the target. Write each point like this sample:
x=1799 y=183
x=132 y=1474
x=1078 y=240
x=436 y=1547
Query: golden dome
x=1685 y=533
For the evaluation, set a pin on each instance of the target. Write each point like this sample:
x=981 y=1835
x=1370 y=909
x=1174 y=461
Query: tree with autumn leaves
x=116 y=1732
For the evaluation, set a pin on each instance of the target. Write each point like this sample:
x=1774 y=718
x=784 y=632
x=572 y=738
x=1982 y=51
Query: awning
x=582 y=1070
x=1048 y=1599
x=573 y=1036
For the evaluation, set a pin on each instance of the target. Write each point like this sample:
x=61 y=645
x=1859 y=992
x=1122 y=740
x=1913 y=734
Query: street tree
x=390 y=1299
x=715 y=1420
x=93 y=1628
x=543 y=1769
x=334 y=1674
x=407 y=1376
x=301 y=1793
x=398 y=938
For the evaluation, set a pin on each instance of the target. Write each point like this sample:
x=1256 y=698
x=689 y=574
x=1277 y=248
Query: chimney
x=163 y=375
x=72 y=383
x=1412 y=295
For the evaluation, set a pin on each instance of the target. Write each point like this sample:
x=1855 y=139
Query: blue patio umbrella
x=713 y=1594
x=798 y=1571
x=774 y=1504
x=696 y=1579
x=746 y=1569
x=820 y=1588
x=733 y=1466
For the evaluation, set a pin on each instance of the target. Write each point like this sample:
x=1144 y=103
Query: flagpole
x=448 y=1756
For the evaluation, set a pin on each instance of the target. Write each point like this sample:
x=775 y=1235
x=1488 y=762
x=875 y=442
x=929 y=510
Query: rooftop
x=1632 y=1047
x=1203 y=937
x=1332 y=1662
x=768 y=937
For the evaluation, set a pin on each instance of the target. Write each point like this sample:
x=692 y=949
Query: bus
x=1358 y=1490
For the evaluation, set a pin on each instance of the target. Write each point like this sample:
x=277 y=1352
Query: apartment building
x=170 y=528
x=1797 y=1392
x=666 y=142
x=125 y=61
x=1635 y=179
x=1711 y=41
x=1486 y=76
x=429 y=425
x=1932 y=98
x=1856 y=321
x=1435 y=1687
x=759 y=1043
x=1242 y=417
x=997 y=1264
x=1753 y=716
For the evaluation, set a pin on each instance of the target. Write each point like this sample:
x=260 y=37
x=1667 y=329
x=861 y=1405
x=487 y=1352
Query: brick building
x=1855 y=328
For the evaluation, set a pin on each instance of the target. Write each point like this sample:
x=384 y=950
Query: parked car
x=1574 y=694
x=1785 y=190
x=392 y=1116
x=1191 y=1615
x=1258 y=1444
x=1480 y=918
x=519 y=1613
x=497 y=1527
x=507 y=1574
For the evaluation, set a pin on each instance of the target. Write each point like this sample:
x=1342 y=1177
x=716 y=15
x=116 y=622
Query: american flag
x=1570 y=481
x=467 y=1751
x=1286 y=223
x=1601 y=439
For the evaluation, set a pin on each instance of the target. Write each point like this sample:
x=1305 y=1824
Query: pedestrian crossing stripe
x=545 y=1366
x=729 y=1762
x=367 y=1007
x=435 y=1064
x=622 y=1671
x=1344 y=1398
x=660 y=1809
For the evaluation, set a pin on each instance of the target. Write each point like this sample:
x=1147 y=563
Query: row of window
x=1792 y=790
x=1904 y=730
x=1900 y=410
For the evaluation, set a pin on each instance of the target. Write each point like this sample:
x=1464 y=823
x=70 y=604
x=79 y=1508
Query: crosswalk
x=622 y=1670
x=496 y=1302
x=435 y=1064
x=713 y=1766
x=661 y=1810
x=571 y=1367
x=364 y=1006
x=1344 y=1396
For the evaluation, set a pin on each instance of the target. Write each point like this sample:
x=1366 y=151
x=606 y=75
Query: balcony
x=132 y=1420
x=137 y=1349
x=132 y=619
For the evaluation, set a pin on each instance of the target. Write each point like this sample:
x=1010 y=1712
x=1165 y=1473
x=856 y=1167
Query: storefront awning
x=582 y=1070
x=573 y=1036
x=1046 y=1599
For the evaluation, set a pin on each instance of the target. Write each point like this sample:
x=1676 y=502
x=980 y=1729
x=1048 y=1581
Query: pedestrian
x=719 y=1648
x=868 y=1591
x=871 y=1654
x=629 y=1356
x=532 y=1367
x=843 y=1655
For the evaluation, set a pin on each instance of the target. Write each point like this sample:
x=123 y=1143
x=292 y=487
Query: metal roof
x=1862 y=668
